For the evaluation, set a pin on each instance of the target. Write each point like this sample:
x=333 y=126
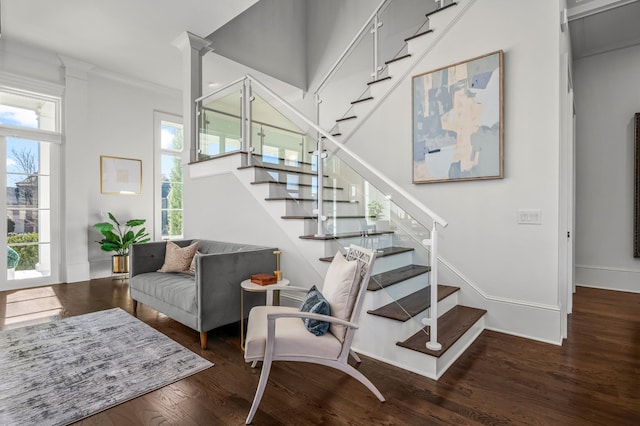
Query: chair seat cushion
x=292 y=337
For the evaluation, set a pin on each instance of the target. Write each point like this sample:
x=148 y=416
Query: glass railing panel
x=276 y=138
x=220 y=124
x=397 y=20
x=348 y=82
x=400 y=20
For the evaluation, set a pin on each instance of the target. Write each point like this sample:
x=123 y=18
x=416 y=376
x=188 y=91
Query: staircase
x=399 y=295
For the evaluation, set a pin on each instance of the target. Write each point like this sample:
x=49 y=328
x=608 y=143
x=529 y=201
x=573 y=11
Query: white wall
x=103 y=114
x=121 y=125
x=515 y=265
x=607 y=96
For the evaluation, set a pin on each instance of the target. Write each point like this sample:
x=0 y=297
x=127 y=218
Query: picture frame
x=458 y=126
x=636 y=202
x=120 y=175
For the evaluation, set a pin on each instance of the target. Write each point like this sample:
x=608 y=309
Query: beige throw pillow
x=178 y=259
x=192 y=267
x=340 y=291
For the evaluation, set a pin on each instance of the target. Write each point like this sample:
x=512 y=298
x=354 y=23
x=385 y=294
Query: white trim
x=607 y=268
x=31 y=84
x=594 y=7
x=525 y=336
x=499 y=299
x=626 y=290
x=31 y=134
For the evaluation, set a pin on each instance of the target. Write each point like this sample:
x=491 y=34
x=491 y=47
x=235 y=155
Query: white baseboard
x=608 y=278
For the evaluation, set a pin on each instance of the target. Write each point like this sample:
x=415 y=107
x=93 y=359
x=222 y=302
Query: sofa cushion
x=175 y=289
x=341 y=289
x=178 y=259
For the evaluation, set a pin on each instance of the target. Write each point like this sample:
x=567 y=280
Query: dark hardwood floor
x=593 y=379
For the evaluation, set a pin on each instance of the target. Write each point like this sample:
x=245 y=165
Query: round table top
x=249 y=286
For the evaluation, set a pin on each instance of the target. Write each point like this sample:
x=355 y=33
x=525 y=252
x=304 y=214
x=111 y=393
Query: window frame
x=158 y=118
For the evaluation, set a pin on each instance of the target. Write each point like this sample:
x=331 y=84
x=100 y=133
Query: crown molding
x=135 y=82
x=16 y=81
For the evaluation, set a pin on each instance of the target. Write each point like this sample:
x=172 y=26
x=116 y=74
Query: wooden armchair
x=278 y=333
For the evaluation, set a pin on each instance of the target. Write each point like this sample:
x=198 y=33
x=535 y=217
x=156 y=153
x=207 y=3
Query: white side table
x=273 y=298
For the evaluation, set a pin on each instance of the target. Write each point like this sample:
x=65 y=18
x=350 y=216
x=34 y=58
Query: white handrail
x=341 y=58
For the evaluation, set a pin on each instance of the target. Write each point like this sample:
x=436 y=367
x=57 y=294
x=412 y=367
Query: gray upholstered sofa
x=208 y=299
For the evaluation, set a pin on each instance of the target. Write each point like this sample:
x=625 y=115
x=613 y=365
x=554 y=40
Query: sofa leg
x=135 y=306
x=203 y=339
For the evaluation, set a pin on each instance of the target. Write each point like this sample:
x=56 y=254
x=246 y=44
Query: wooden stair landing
x=386 y=279
x=409 y=306
x=451 y=326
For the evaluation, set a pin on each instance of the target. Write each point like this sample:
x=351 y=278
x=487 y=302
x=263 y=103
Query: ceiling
x=129 y=37
x=598 y=26
x=134 y=37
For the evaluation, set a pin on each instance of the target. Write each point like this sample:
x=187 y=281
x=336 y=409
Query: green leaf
x=103 y=227
x=135 y=222
x=112 y=217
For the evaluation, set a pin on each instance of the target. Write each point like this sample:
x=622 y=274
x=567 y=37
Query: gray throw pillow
x=316 y=303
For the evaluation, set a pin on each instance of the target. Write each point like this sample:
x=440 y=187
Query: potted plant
x=119 y=239
x=376 y=208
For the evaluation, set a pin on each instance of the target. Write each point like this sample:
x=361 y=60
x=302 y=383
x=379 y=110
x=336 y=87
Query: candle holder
x=278 y=272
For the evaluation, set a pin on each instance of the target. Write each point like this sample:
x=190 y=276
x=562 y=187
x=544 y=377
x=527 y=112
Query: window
x=170 y=145
x=30 y=138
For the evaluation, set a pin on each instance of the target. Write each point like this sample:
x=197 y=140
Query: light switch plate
x=530 y=217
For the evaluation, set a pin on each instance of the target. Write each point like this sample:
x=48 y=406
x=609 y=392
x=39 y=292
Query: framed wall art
x=120 y=175
x=457 y=121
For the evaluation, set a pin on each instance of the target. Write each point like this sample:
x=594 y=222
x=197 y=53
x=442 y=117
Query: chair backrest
x=365 y=260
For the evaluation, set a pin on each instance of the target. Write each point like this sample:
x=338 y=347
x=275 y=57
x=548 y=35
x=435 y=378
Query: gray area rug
x=63 y=371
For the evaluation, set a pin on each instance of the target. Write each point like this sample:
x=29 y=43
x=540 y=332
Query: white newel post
x=192 y=48
x=433 y=344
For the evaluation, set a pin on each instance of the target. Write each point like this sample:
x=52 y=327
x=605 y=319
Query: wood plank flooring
x=593 y=379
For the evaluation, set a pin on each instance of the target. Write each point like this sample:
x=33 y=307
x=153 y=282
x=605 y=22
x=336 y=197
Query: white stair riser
x=397 y=68
x=441 y=19
x=278 y=176
x=395 y=261
x=305 y=208
x=293 y=189
x=389 y=294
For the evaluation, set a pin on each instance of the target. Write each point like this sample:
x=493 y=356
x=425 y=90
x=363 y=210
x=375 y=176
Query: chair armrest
x=275 y=315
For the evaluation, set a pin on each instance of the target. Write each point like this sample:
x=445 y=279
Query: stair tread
x=351 y=117
x=290 y=198
x=399 y=58
x=389 y=278
x=381 y=252
x=440 y=9
x=280 y=169
x=328 y=217
x=342 y=235
x=409 y=306
x=357 y=101
x=418 y=35
x=451 y=326
x=378 y=80
x=306 y=185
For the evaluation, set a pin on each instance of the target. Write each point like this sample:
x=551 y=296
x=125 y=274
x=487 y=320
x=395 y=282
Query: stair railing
x=420 y=212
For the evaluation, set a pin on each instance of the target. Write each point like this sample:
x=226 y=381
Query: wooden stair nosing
x=328 y=217
x=440 y=9
x=306 y=185
x=394 y=276
x=357 y=101
x=351 y=117
x=409 y=306
x=339 y=236
x=451 y=326
x=378 y=80
x=381 y=252
x=418 y=35
x=277 y=169
x=399 y=58
x=307 y=199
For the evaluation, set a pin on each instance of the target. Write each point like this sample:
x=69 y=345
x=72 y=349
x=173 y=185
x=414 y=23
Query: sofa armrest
x=149 y=257
x=218 y=279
